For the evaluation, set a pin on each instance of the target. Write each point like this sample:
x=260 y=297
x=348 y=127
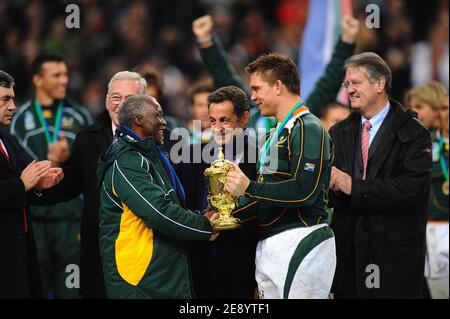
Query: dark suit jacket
x=224 y=268
x=19 y=271
x=383 y=221
x=80 y=177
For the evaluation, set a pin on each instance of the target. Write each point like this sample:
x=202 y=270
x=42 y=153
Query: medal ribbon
x=444 y=165
x=44 y=124
x=300 y=107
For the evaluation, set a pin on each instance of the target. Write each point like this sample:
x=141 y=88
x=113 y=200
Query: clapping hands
x=41 y=175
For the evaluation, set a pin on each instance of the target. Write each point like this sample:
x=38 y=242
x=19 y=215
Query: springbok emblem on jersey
x=281 y=141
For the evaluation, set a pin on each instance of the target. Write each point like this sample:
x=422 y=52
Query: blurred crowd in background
x=119 y=35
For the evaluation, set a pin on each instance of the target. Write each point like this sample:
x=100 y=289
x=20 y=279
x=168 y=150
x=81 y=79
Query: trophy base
x=225 y=225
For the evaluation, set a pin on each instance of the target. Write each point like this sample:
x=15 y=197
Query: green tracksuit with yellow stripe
x=143 y=227
x=292 y=190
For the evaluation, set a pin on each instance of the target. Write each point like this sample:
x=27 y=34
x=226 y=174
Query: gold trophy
x=218 y=199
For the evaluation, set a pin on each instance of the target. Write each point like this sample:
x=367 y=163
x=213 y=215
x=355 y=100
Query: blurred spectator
x=118 y=35
x=198 y=97
x=430 y=101
x=430 y=58
x=333 y=113
x=45 y=126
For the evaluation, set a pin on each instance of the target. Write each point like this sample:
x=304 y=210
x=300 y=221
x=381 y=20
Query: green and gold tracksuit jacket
x=294 y=191
x=143 y=227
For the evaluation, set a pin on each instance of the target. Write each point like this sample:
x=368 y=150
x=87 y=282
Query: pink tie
x=365 y=139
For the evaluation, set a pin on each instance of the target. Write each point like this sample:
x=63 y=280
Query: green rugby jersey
x=295 y=193
x=438 y=204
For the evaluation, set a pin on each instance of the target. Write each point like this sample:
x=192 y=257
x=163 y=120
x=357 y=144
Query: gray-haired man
x=380 y=183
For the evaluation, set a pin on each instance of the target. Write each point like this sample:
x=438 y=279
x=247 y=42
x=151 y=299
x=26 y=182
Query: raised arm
x=329 y=84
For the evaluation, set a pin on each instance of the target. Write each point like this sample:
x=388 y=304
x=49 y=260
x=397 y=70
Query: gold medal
x=445 y=188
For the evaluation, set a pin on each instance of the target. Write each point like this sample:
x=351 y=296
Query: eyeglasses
x=349 y=84
x=117 y=98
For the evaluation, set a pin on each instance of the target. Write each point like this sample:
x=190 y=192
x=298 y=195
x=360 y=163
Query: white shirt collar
x=2 y=145
x=379 y=117
x=113 y=127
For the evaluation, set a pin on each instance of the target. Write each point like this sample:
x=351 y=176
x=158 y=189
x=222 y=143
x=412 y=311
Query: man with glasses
x=380 y=185
x=46 y=126
x=80 y=177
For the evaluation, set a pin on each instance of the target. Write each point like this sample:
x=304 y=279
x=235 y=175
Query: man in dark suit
x=80 y=177
x=224 y=268
x=380 y=187
x=19 y=176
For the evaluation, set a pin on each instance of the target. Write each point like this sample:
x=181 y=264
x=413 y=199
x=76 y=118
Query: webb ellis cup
x=218 y=199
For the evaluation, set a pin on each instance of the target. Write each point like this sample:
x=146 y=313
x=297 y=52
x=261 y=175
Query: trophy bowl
x=219 y=199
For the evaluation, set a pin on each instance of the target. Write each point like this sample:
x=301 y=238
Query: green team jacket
x=143 y=227
x=28 y=130
x=295 y=194
x=324 y=92
x=438 y=204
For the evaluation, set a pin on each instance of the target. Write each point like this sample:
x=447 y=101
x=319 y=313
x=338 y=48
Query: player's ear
x=138 y=120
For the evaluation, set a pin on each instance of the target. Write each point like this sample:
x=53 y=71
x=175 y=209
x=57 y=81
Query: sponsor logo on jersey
x=67 y=122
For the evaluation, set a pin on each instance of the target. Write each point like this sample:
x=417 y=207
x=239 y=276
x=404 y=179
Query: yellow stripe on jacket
x=134 y=247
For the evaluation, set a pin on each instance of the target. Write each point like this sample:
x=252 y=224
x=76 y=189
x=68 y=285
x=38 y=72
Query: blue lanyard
x=173 y=175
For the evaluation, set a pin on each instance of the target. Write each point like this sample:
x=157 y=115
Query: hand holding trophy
x=219 y=199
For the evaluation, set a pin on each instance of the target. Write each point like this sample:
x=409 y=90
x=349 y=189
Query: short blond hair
x=431 y=93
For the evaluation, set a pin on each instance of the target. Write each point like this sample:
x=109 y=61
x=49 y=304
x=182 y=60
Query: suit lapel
x=380 y=134
x=378 y=155
x=6 y=163
x=349 y=143
x=383 y=151
x=11 y=153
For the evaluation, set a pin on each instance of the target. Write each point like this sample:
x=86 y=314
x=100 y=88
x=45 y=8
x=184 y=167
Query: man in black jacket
x=80 y=177
x=224 y=268
x=380 y=186
x=19 y=271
